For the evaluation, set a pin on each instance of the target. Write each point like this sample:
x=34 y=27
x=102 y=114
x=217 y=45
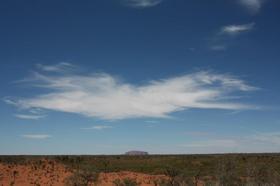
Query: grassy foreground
x=228 y=169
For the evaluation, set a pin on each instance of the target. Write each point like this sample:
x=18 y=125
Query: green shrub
x=125 y=182
x=82 y=177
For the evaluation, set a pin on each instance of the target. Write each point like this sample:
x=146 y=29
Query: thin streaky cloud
x=252 y=5
x=36 y=111
x=197 y=133
x=36 y=136
x=218 y=48
x=98 y=127
x=237 y=29
x=142 y=3
x=60 y=67
x=151 y=126
x=221 y=41
x=10 y=101
x=29 y=116
x=267 y=137
x=251 y=143
x=105 y=97
x=152 y=121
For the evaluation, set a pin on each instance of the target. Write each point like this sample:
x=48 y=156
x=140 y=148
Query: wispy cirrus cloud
x=218 y=47
x=106 y=97
x=198 y=133
x=60 y=67
x=36 y=136
x=252 y=5
x=98 y=127
x=252 y=142
x=152 y=121
x=142 y=3
x=237 y=29
x=224 y=37
x=29 y=116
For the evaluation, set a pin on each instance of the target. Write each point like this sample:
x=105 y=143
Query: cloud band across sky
x=36 y=136
x=142 y=3
x=106 y=97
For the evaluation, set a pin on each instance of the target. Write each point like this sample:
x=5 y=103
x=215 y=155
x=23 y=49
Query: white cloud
x=237 y=29
x=106 y=97
x=222 y=39
x=36 y=136
x=152 y=121
x=60 y=67
x=10 y=101
x=267 y=137
x=142 y=3
x=252 y=5
x=98 y=127
x=31 y=117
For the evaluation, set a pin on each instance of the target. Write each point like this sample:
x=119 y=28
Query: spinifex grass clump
x=83 y=176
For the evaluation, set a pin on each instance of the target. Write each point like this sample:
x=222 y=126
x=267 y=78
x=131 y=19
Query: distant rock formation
x=136 y=153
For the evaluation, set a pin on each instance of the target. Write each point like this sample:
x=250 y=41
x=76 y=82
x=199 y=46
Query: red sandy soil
x=51 y=173
x=47 y=173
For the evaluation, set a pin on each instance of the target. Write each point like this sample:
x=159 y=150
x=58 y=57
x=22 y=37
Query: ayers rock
x=136 y=153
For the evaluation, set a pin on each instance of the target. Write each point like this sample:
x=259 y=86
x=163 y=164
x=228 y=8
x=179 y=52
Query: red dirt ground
x=48 y=173
x=51 y=173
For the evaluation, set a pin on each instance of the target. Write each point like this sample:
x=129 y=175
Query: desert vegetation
x=152 y=170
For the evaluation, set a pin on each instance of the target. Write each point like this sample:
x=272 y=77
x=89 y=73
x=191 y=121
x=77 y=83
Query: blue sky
x=163 y=76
